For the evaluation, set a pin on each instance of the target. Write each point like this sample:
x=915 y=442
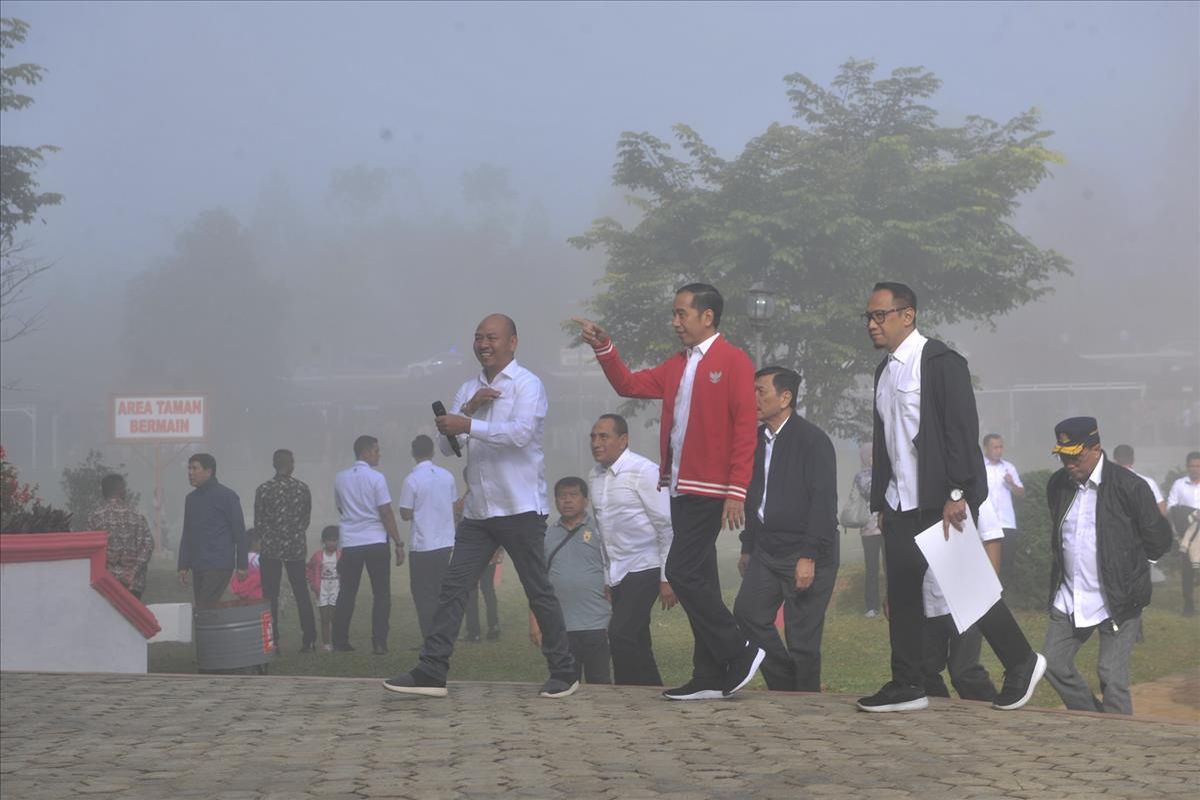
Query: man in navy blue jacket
x=790 y=544
x=213 y=543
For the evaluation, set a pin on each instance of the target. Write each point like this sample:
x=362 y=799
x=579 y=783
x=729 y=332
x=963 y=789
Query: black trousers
x=426 y=568
x=377 y=558
x=208 y=585
x=692 y=571
x=475 y=542
x=590 y=651
x=769 y=582
x=906 y=618
x=946 y=647
x=487 y=586
x=272 y=574
x=633 y=599
x=872 y=546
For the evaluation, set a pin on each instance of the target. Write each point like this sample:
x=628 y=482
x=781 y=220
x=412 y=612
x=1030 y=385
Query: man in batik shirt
x=282 y=507
x=129 y=542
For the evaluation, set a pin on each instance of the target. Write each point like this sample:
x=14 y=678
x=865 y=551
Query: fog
x=294 y=208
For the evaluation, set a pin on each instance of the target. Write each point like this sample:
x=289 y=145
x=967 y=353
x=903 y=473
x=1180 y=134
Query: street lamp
x=760 y=305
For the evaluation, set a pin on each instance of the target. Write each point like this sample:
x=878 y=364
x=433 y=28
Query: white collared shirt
x=998 y=491
x=1184 y=493
x=898 y=398
x=1153 y=484
x=506 y=472
x=1079 y=595
x=359 y=492
x=429 y=493
x=634 y=517
x=768 y=447
x=683 y=406
x=990 y=529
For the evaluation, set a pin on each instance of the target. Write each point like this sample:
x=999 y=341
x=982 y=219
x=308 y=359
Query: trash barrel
x=234 y=636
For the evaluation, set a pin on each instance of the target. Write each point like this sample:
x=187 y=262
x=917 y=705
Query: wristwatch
x=956 y=495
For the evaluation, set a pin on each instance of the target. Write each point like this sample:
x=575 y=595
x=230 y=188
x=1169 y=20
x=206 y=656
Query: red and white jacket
x=722 y=430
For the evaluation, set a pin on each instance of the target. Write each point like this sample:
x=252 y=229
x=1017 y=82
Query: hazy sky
x=163 y=110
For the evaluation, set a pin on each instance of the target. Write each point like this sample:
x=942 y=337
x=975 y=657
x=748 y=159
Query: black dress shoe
x=343 y=648
x=308 y=648
x=379 y=649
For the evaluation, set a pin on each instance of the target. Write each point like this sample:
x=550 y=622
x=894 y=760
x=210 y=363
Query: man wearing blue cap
x=1106 y=525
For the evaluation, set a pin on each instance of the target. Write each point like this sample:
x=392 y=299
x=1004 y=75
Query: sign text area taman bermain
x=180 y=418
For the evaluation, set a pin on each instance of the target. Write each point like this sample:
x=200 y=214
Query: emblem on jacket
x=587 y=535
x=715 y=377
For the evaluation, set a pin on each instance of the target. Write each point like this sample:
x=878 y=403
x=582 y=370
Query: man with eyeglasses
x=1105 y=526
x=928 y=467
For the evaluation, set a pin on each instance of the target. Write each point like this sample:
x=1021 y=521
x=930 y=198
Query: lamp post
x=760 y=305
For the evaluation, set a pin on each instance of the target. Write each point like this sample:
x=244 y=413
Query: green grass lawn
x=854 y=654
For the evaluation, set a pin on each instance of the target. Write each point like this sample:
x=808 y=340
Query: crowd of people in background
x=734 y=453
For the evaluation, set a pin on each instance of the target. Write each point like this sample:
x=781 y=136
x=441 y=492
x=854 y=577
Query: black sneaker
x=695 y=690
x=742 y=668
x=343 y=648
x=559 y=687
x=308 y=647
x=379 y=649
x=1020 y=683
x=470 y=637
x=416 y=682
x=895 y=697
x=493 y=634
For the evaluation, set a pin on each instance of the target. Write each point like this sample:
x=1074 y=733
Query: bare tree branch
x=17 y=270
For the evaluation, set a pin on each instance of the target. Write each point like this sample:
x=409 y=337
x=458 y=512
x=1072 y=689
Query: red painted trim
x=23 y=547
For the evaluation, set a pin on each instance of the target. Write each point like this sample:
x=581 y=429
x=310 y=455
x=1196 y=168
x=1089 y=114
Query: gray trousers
x=1063 y=641
x=425 y=571
x=946 y=648
x=768 y=582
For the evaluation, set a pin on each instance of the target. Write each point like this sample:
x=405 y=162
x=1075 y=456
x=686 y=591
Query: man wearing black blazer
x=928 y=468
x=790 y=543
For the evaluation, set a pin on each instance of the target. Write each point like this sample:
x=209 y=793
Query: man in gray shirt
x=576 y=562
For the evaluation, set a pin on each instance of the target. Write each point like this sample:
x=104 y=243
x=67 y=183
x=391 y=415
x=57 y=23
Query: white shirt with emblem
x=359 y=492
x=429 y=493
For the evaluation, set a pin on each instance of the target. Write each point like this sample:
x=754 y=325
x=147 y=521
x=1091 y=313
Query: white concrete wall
x=51 y=619
x=175 y=621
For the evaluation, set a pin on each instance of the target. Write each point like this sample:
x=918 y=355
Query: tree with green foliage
x=21 y=198
x=867 y=187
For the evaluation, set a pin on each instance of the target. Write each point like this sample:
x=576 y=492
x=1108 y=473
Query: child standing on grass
x=323 y=578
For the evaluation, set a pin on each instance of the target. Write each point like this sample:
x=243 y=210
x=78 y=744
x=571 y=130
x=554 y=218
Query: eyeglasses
x=879 y=316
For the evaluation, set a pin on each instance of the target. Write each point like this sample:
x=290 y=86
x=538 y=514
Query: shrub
x=1029 y=586
x=21 y=510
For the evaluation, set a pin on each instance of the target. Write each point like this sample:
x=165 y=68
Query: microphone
x=439 y=410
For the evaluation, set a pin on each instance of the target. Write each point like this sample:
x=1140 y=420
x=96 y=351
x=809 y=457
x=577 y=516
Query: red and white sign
x=160 y=418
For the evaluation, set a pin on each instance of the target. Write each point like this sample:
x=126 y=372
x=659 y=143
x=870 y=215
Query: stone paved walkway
x=246 y=738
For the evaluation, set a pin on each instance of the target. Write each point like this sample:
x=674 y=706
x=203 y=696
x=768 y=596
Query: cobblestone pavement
x=247 y=738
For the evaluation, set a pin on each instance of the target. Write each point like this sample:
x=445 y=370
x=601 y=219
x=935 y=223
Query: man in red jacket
x=707 y=442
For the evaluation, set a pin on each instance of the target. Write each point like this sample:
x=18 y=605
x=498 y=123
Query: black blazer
x=948 y=454
x=801 y=513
